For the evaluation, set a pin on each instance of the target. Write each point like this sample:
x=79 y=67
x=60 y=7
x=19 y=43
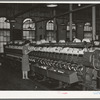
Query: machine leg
x=98 y=80
x=66 y=85
x=84 y=78
x=60 y=85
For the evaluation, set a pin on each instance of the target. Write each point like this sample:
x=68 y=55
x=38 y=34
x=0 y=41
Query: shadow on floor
x=10 y=79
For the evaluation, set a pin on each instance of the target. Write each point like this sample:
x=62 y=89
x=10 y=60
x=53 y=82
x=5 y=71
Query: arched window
x=4 y=33
x=50 y=25
x=28 y=29
x=49 y=30
x=87 y=27
x=88 y=30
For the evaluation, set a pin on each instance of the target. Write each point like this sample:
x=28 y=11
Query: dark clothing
x=25 y=60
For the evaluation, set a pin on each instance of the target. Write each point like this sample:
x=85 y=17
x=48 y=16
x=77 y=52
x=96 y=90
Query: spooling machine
x=68 y=63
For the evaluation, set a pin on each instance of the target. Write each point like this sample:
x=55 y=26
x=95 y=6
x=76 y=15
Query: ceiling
x=18 y=9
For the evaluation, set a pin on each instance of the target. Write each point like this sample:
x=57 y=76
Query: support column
x=94 y=22
x=94 y=37
x=70 y=22
x=55 y=26
x=36 y=37
x=11 y=31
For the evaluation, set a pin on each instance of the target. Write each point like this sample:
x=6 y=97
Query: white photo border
x=49 y=94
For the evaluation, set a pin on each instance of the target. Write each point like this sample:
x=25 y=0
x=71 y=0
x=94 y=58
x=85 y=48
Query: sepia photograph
x=46 y=46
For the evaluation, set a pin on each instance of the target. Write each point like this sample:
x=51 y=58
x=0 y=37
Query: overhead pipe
x=88 y=6
x=55 y=26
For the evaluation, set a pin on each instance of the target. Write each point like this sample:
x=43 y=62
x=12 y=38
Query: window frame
x=28 y=30
x=4 y=38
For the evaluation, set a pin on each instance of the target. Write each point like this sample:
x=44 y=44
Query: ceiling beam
x=23 y=12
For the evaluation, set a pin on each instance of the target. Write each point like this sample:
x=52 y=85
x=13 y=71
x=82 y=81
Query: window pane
x=3 y=24
x=28 y=29
x=73 y=26
x=50 y=25
x=87 y=27
x=28 y=23
x=4 y=34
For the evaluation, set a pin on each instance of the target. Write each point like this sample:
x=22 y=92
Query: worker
x=86 y=40
x=76 y=39
x=25 y=61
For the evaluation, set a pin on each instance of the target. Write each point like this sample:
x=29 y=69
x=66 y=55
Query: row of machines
x=66 y=62
x=13 y=50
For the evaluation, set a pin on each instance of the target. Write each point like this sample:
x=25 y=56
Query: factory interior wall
x=61 y=29
x=80 y=29
x=41 y=32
